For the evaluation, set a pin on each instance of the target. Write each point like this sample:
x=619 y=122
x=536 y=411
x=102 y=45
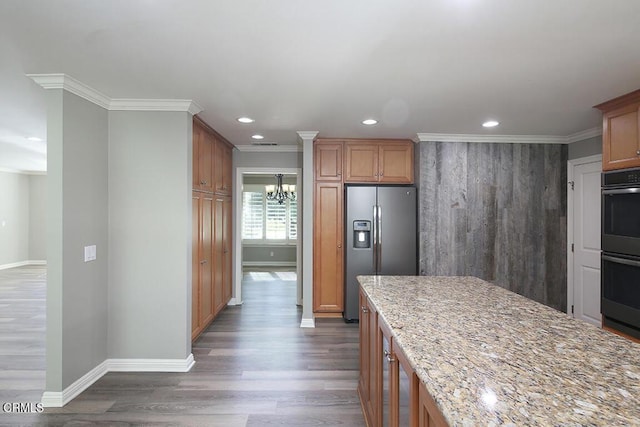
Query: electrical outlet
x=89 y=253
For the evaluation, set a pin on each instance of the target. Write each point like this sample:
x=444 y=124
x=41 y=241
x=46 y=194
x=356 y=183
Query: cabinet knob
x=389 y=357
x=339 y=173
x=203 y=182
x=364 y=309
x=204 y=261
x=339 y=245
x=638 y=152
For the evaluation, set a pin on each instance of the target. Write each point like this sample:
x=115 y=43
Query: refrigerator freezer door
x=397 y=230
x=359 y=203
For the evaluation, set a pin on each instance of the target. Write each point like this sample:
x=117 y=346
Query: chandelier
x=280 y=192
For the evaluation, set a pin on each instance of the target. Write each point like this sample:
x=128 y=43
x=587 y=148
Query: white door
x=586 y=234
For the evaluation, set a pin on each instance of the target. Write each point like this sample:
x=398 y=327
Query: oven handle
x=622 y=191
x=621 y=260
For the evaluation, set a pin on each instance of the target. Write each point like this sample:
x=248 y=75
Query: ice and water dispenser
x=361 y=234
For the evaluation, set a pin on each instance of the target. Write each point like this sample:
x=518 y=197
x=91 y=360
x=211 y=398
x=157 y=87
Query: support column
x=306 y=139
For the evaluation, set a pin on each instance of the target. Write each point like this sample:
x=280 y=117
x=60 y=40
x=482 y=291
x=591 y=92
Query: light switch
x=89 y=253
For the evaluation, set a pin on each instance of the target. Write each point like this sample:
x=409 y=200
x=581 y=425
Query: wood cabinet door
x=396 y=162
x=218 y=255
x=328 y=286
x=205 y=161
x=195 y=266
x=206 y=260
x=227 y=290
x=375 y=349
x=361 y=162
x=405 y=390
x=197 y=135
x=428 y=413
x=227 y=169
x=363 y=326
x=621 y=138
x=328 y=161
x=218 y=166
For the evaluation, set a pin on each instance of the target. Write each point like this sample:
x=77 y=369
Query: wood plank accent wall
x=498 y=212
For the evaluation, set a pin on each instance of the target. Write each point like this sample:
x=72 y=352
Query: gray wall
x=265 y=159
x=262 y=255
x=498 y=212
x=77 y=137
x=14 y=214
x=150 y=234
x=585 y=148
x=37 y=217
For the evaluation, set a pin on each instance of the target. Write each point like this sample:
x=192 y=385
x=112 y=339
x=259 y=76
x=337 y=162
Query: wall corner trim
x=59 y=399
x=68 y=83
x=308 y=323
x=22 y=264
x=306 y=135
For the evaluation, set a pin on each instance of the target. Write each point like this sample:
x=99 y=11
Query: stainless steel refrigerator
x=380 y=230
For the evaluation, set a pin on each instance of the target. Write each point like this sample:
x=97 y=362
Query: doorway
x=286 y=248
x=583 y=229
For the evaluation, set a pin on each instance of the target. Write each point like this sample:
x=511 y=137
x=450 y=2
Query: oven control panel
x=621 y=178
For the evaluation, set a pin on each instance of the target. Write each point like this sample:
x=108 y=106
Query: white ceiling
x=418 y=66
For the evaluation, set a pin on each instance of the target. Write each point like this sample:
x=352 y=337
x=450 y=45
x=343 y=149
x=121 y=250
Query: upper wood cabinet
x=621 y=132
x=212 y=160
x=203 y=149
x=328 y=160
x=382 y=161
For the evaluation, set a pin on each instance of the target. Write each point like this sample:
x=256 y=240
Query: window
x=252 y=215
x=267 y=220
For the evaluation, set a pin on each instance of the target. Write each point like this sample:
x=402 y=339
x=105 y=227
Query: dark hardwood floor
x=254 y=367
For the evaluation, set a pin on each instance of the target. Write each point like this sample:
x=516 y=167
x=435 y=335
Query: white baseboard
x=151 y=365
x=268 y=263
x=51 y=399
x=308 y=323
x=22 y=264
x=54 y=399
x=234 y=301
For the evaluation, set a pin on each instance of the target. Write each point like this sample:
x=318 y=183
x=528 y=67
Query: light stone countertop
x=489 y=356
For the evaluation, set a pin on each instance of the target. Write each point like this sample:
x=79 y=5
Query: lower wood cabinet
x=391 y=393
x=211 y=259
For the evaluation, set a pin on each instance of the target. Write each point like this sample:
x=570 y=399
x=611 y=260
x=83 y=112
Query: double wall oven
x=620 y=296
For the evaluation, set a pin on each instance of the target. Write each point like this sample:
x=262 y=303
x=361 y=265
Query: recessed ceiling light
x=369 y=122
x=490 y=124
x=245 y=120
x=34 y=138
x=257 y=137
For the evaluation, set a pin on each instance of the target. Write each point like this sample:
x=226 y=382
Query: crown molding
x=585 y=134
x=68 y=83
x=125 y=104
x=269 y=148
x=305 y=135
x=23 y=171
x=507 y=139
x=504 y=139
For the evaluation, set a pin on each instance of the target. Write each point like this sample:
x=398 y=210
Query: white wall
x=150 y=234
x=14 y=218
x=37 y=217
x=77 y=140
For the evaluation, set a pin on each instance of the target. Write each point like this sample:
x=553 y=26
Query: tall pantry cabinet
x=211 y=247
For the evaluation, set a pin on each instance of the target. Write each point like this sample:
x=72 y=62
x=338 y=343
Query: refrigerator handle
x=375 y=238
x=379 y=235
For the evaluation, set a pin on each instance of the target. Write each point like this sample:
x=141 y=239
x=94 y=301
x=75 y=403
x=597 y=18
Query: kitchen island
x=488 y=356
